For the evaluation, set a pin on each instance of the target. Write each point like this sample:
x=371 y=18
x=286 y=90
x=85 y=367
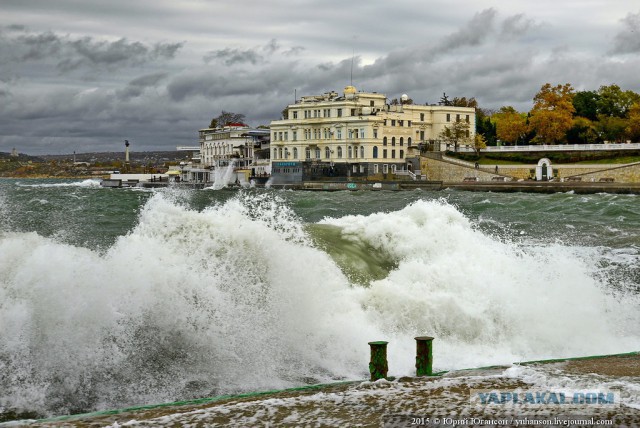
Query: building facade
x=235 y=144
x=357 y=135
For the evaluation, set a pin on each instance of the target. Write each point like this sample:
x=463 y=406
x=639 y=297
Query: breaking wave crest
x=243 y=296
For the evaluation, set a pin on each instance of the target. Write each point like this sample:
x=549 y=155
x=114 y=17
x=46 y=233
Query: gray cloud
x=69 y=54
x=627 y=41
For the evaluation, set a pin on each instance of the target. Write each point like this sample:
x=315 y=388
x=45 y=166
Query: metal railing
x=554 y=147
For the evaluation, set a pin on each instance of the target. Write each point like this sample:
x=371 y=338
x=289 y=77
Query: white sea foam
x=236 y=298
x=83 y=183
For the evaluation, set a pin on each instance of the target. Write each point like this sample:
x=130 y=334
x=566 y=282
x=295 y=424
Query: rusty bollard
x=378 y=366
x=424 y=356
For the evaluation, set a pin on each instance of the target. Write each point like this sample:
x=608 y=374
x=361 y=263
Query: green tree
x=583 y=131
x=225 y=118
x=611 y=128
x=485 y=126
x=586 y=104
x=455 y=134
x=552 y=113
x=614 y=102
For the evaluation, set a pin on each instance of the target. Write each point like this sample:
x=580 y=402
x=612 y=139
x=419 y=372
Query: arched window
x=327 y=153
x=401 y=154
x=384 y=141
x=317 y=152
x=409 y=141
x=339 y=152
x=375 y=152
x=295 y=153
x=401 y=141
x=393 y=141
x=350 y=151
x=280 y=153
x=361 y=151
x=307 y=153
x=286 y=153
x=275 y=153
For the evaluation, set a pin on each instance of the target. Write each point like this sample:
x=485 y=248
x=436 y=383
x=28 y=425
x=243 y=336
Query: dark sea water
x=121 y=297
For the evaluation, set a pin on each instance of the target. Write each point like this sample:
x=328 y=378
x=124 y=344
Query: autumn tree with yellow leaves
x=511 y=126
x=552 y=113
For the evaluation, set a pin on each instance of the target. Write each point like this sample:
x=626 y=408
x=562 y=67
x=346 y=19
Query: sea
x=112 y=298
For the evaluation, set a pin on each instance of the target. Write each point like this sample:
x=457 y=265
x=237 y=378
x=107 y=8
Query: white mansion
x=357 y=134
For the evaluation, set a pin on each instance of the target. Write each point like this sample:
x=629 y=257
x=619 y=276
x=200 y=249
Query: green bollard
x=424 y=356
x=378 y=366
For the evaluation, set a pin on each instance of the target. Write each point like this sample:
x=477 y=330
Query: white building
x=356 y=134
x=235 y=144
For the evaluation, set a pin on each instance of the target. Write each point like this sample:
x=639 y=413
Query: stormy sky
x=84 y=75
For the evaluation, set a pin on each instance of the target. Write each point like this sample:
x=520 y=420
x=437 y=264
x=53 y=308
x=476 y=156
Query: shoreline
x=503 y=187
x=446 y=394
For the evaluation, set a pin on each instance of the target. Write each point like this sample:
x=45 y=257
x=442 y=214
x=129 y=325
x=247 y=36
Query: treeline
x=561 y=115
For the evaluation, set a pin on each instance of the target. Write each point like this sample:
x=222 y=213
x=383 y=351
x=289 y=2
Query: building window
x=295 y=114
x=384 y=153
x=339 y=134
x=384 y=141
x=393 y=141
x=393 y=122
x=467 y=119
x=421 y=117
x=275 y=153
x=353 y=112
x=393 y=154
x=361 y=151
x=280 y=152
x=401 y=123
x=409 y=123
x=355 y=152
x=361 y=132
x=317 y=152
x=286 y=153
x=339 y=152
x=339 y=112
x=375 y=152
x=361 y=169
x=421 y=135
x=401 y=154
x=393 y=169
x=286 y=136
x=350 y=152
x=467 y=133
x=375 y=168
x=448 y=117
x=294 y=135
x=371 y=103
x=295 y=153
x=307 y=153
x=385 y=169
x=327 y=153
x=355 y=168
x=401 y=141
x=375 y=133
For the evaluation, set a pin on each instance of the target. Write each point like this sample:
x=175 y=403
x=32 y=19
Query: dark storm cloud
x=70 y=54
x=256 y=55
x=627 y=41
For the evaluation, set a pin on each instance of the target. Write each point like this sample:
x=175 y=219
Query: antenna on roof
x=352 y=57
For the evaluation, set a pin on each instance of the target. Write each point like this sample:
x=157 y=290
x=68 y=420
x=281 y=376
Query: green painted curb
x=301 y=388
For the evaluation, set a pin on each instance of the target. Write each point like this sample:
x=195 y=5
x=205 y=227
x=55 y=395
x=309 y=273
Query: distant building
x=14 y=153
x=356 y=135
x=235 y=144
